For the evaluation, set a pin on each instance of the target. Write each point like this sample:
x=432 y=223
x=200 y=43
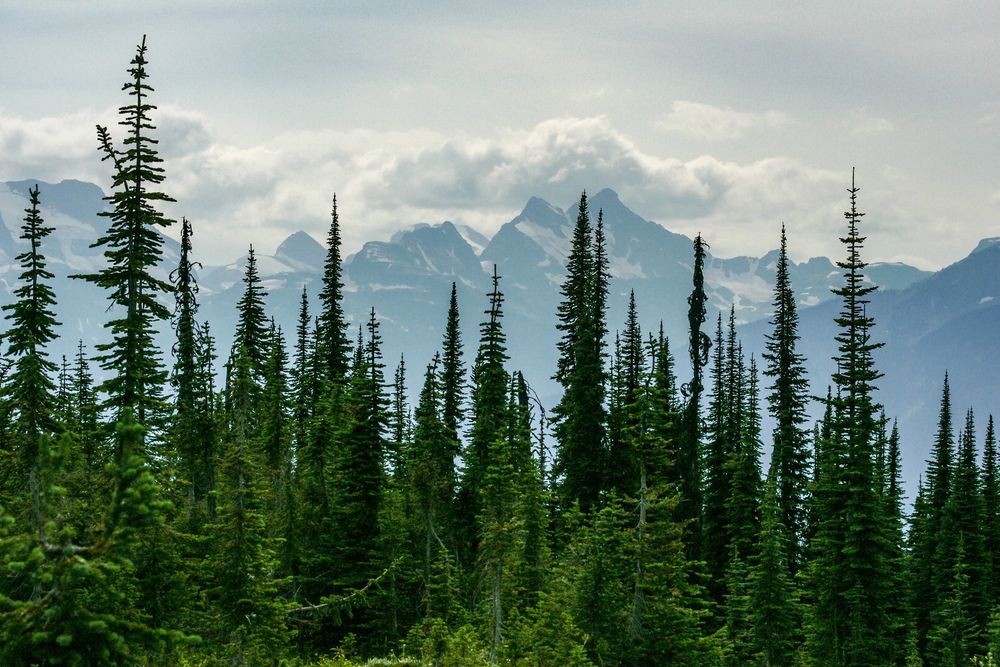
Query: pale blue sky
x=715 y=116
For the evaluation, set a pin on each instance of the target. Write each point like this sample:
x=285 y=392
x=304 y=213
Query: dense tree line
x=299 y=511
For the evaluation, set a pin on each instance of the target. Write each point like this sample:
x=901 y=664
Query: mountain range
x=930 y=322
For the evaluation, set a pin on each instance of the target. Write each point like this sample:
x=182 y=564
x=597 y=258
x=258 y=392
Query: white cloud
x=991 y=116
x=863 y=124
x=43 y=147
x=236 y=195
x=710 y=123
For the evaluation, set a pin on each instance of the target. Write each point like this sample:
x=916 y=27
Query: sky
x=719 y=117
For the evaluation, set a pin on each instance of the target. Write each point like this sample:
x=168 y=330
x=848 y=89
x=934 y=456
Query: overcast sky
x=721 y=117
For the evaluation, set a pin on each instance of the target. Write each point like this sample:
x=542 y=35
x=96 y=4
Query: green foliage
x=316 y=521
x=452 y=372
x=333 y=347
x=489 y=401
x=29 y=390
x=580 y=417
x=133 y=246
x=67 y=602
x=787 y=402
x=850 y=573
x=688 y=442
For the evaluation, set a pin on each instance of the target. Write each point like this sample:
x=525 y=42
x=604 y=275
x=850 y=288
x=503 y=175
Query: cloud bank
x=236 y=195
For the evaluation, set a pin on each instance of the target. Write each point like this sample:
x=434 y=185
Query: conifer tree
x=941 y=465
x=664 y=416
x=738 y=610
x=187 y=430
x=333 y=345
x=853 y=555
x=901 y=640
x=963 y=523
x=532 y=508
x=358 y=485
x=489 y=401
x=930 y=569
x=622 y=471
x=431 y=474
x=315 y=476
x=246 y=610
x=991 y=514
x=85 y=412
x=743 y=503
x=76 y=611
x=275 y=429
x=919 y=570
x=775 y=616
x=30 y=388
x=787 y=403
x=580 y=418
x=500 y=531
x=399 y=421
x=210 y=412
x=452 y=371
x=688 y=446
x=251 y=325
x=954 y=634
x=62 y=403
x=717 y=472
x=133 y=245
x=604 y=598
x=302 y=381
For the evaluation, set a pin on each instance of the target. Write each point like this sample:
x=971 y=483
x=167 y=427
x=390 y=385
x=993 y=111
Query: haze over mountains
x=930 y=322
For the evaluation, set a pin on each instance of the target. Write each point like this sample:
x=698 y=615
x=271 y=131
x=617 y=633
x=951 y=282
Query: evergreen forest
x=297 y=509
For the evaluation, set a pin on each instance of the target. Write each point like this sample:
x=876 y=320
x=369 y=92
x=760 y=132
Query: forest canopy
x=296 y=509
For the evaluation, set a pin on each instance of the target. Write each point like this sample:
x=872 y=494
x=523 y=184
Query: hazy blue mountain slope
x=942 y=321
x=947 y=322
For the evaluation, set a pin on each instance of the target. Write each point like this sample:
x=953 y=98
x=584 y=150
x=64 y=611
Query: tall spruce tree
x=488 y=413
x=900 y=642
x=275 y=428
x=688 y=445
x=622 y=471
x=399 y=421
x=188 y=428
x=30 y=387
x=991 y=512
x=787 y=402
x=928 y=563
x=333 y=346
x=963 y=523
x=251 y=336
x=849 y=624
x=452 y=371
x=359 y=480
x=85 y=421
x=743 y=503
x=133 y=246
x=501 y=530
x=776 y=614
x=431 y=474
x=717 y=472
x=580 y=419
x=246 y=608
x=302 y=381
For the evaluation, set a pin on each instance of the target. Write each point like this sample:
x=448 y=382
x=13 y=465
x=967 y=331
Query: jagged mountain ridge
x=407 y=280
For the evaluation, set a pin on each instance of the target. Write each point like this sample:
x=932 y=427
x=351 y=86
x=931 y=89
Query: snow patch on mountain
x=624 y=269
x=553 y=242
x=476 y=240
x=745 y=286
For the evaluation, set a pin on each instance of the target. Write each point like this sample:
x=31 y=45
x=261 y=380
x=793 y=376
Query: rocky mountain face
x=930 y=322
